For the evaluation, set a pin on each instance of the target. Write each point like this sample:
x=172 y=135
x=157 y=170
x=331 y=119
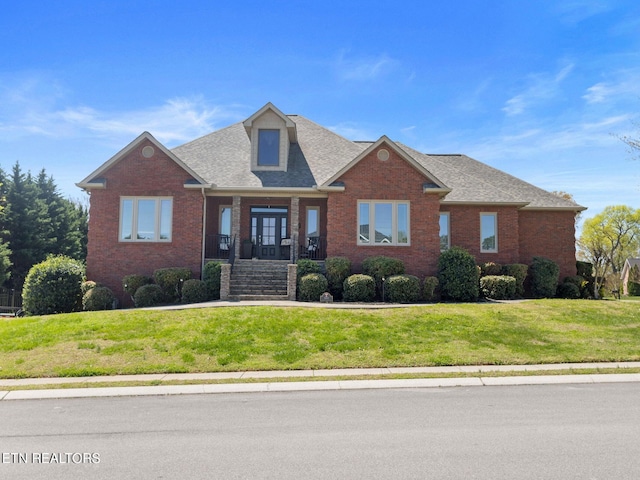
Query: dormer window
x=268 y=148
x=271 y=133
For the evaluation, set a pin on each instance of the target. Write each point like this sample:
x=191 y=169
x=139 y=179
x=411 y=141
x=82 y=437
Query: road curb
x=273 y=387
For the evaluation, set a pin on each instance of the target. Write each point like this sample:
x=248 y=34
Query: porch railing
x=313 y=248
x=218 y=246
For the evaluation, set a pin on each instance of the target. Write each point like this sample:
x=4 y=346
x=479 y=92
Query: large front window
x=383 y=223
x=145 y=219
x=268 y=148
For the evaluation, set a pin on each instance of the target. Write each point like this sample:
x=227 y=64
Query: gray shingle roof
x=223 y=158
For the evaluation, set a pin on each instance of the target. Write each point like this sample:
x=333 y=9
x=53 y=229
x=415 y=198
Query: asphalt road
x=526 y=432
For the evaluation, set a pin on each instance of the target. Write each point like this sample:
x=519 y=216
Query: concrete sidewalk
x=310 y=384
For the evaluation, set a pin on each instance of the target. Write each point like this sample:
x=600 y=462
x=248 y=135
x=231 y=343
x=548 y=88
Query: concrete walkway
x=310 y=384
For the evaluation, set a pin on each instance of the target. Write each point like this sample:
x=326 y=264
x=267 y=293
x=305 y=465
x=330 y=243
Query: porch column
x=295 y=221
x=235 y=223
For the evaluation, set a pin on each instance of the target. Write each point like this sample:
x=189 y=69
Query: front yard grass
x=271 y=338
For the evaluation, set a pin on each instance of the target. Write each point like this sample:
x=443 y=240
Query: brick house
x=280 y=187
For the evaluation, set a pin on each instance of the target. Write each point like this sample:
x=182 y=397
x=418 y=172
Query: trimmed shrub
x=633 y=289
x=131 y=283
x=430 y=289
x=498 y=287
x=544 y=277
x=311 y=287
x=519 y=272
x=54 y=286
x=359 y=288
x=170 y=281
x=148 y=295
x=211 y=279
x=458 y=275
x=380 y=267
x=490 y=268
x=338 y=269
x=86 y=286
x=98 y=298
x=568 y=290
x=194 y=291
x=402 y=289
x=305 y=267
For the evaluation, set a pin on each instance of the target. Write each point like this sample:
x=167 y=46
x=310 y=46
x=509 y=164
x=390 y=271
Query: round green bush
x=359 y=288
x=544 y=277
x=148 y=296
x=171 y=280
x=498 y=287
x=131 y=283
x=568 y=290
x=380 y=267
x=98 y=298
x=430 y=289
x=402 y=289
x=306 y=266
x=53 y=286
x=194 y=291
x=338 y=269
x=458 y=275
x=211 y=278
x=633 y=289
x=311 y=287
x=519 y=272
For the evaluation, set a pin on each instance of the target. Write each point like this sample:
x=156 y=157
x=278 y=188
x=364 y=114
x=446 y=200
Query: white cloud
x=363 y=69
x=353 y=131
x=542 y=87
x=624 y=84
x=33 y=109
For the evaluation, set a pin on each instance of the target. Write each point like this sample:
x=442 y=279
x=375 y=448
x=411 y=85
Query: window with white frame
x=445 y=236
x=225 y=220
x=313 y=222
x=146 y=219
x=489 y=232
x=383 y=222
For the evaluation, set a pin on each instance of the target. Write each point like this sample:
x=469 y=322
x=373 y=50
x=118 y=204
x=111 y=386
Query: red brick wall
x=109 y=260
x=464 y=229
x=549 y=234
x=394 y=179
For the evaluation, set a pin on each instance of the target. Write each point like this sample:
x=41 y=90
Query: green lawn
x=269 y=338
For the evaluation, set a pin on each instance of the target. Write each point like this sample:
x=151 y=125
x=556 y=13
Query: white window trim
x=283 y=150
x=394 y=223
x=495 y=215
x=448 y=215
x=134 y=221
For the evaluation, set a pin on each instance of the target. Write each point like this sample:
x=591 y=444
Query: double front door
x=268 y=229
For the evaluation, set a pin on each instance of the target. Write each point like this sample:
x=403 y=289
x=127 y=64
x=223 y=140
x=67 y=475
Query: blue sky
x=540 y=89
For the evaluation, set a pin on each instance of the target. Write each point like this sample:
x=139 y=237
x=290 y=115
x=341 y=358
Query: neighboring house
x=626 y=273
x=280 y=187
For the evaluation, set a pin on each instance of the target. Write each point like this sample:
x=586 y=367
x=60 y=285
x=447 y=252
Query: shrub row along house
x=281 y=187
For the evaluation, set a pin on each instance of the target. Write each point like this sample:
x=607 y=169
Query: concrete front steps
x=259 y=280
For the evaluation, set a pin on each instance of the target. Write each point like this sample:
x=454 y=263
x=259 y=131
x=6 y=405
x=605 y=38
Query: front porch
x=265 y=228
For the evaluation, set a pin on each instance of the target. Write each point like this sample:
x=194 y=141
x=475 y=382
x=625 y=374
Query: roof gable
x=94 y=179
x=436 y=184
x=290 y=124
